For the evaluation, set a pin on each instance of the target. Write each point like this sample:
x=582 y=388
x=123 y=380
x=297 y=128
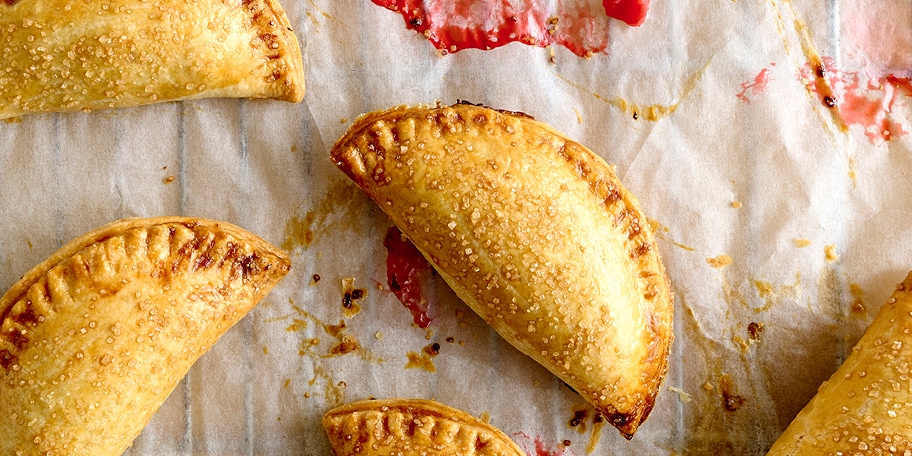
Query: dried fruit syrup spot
x=578 y=418
x=731 y=402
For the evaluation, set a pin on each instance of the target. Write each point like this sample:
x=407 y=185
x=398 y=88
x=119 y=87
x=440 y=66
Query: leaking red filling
x=633 y=12
x=858 y=100
x=405 y=269
x=578 y=25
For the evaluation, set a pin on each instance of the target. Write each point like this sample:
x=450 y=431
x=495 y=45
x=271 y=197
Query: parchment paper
x=767 y=210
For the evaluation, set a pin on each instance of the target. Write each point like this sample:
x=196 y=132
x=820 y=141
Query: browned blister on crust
x=866 y=405
x=412 y=427
x=536 y=234
x=59 y=55
x=94 y=339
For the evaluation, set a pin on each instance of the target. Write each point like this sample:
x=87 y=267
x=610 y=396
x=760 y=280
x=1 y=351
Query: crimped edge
x=427 y=407
x=21 y=287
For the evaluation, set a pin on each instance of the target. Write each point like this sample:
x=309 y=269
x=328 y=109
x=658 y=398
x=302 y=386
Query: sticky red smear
x=866 y=102
x=453 y=25
x=536 y=446
x=755 y=87
x=631 y=12
x=405 y=268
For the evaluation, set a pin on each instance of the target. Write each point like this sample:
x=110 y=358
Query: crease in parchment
x=779 y=9
x=653 y=112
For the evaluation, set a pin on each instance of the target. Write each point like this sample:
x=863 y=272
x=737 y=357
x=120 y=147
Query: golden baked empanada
x=866 y=405
x=412 y=427
x=535 y=233
x=61 y=55
x=94 y=339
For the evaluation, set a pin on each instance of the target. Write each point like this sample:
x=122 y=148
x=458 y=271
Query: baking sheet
x=769 y=209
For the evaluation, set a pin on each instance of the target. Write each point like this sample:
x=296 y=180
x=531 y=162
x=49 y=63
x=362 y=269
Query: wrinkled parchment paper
x=783 y=228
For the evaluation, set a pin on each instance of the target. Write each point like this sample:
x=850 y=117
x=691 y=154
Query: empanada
x=412 y=427
x=94 y=339
x=535 y=233
x=61 y=55
x=866 y=405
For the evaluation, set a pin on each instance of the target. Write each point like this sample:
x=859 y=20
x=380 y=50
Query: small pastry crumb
x=829 y=253
x=736 y=204
x=801 y=242
x=682 y=396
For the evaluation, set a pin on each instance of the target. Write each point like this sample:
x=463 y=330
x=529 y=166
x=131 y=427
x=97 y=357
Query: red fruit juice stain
x=631 y=12
x=578 y=25
x=536 y=446
x=754 y=87
x=857 y=99
x=405 y=268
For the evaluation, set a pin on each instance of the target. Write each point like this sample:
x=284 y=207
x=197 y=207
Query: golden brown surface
x=60 y=55
x=866 y=405
x=535 y=233
x=412 y=427
x=94 y=339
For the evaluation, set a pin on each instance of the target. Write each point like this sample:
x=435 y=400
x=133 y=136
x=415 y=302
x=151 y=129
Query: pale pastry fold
x=412 y=427
x=536 y=234
x=866 y=405
x=94 y=339
x=61 y=55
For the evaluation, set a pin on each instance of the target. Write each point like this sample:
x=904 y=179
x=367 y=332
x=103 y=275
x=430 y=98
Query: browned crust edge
x=21 y=287
x=263 y=12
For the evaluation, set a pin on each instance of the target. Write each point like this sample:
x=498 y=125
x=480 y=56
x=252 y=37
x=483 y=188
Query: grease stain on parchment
x=343 y=343
x=339 y=210
x=340 y=343
x=651 y=112
x=704 y=414
x=314 y=13
x=773 y=294
x=751 y=391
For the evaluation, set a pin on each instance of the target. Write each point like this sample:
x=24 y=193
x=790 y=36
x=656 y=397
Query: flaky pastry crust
x=866 y=405
x=61 y=55
x=93 y=339
x=412 y=427
x=536 y=234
